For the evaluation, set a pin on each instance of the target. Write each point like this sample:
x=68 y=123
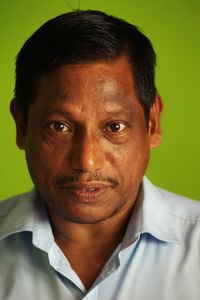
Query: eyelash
x=53 y=125
x=116 y=123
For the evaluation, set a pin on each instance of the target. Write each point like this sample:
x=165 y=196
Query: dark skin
x=87 y=148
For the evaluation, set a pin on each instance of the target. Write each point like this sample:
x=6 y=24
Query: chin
x=81 y=215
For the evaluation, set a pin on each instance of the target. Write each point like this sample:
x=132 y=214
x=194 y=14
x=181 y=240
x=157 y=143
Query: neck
x=67 y=232
x=89 y=246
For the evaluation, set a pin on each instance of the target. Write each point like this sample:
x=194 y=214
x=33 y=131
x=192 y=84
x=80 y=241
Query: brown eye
x=115 y=127
x=58 y=126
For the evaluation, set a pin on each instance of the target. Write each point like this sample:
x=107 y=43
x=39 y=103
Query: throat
x=88 y=262
x=89 y=247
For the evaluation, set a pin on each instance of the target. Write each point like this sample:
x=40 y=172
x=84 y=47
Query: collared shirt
x=158 y=258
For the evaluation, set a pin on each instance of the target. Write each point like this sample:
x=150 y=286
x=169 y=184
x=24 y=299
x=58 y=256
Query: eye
x=59 y=126
x=115 y=127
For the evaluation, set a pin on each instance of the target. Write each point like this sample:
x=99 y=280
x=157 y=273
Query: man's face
x=86 y=142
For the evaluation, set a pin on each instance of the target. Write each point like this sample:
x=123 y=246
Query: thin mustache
x=83 y=178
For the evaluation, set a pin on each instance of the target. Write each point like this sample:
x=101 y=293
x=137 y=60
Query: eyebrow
x=69 y=114
x=64 y=113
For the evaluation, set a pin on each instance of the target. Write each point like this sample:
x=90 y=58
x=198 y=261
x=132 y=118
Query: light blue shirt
x=158 y=259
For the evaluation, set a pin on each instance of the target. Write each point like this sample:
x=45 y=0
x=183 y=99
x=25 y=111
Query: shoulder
x=169 y=203
x=183 y=215
x=172 y=217
x=16 y=213
x=8 y=205
x=181 y=207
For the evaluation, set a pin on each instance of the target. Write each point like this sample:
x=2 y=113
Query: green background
x=174 y=28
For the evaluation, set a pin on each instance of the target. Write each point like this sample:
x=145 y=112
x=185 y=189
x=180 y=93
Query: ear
x=155 y=123
x=20 y=124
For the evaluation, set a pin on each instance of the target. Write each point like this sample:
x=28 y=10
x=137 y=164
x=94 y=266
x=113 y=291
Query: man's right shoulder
x=7 y=205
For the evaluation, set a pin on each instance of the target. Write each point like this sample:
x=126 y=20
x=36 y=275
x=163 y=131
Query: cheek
x=131 y=160
x=44 y=158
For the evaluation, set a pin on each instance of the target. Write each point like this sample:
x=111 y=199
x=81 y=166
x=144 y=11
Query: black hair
x=84 y=36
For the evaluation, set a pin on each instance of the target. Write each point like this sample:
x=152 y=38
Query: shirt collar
x=26 y=213
x=152 y=216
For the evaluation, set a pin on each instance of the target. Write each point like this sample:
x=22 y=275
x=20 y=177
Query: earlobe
x=155 y=122
x=19 y=123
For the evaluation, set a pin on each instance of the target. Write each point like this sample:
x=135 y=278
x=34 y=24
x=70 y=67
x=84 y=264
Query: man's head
x=84 y=37
x=87 y=113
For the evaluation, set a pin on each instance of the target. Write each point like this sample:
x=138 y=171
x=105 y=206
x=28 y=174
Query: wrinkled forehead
x=89 y=95
x=104 y=82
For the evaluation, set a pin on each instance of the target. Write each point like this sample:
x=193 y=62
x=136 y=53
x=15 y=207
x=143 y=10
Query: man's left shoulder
x=181 y=207
x=183 y=215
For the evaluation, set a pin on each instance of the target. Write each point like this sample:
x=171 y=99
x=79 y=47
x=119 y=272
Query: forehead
x=117 y=71
x=94 y=84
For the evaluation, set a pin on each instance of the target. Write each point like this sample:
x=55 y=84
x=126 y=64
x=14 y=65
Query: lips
x=88 y=192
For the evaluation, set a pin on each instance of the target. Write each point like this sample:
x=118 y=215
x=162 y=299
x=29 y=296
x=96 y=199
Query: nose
x=87 y=154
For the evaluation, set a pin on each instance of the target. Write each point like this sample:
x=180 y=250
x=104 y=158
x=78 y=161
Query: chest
x=146 y=271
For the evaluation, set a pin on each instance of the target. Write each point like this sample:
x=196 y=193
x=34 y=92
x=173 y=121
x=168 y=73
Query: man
x=87 y=114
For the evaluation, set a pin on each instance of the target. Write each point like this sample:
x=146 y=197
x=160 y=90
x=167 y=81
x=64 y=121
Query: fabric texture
x=158 y=258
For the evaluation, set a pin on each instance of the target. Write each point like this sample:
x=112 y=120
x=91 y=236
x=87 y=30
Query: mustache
x=95 y=176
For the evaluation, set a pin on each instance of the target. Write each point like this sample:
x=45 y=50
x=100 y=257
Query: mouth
x=86 y=192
